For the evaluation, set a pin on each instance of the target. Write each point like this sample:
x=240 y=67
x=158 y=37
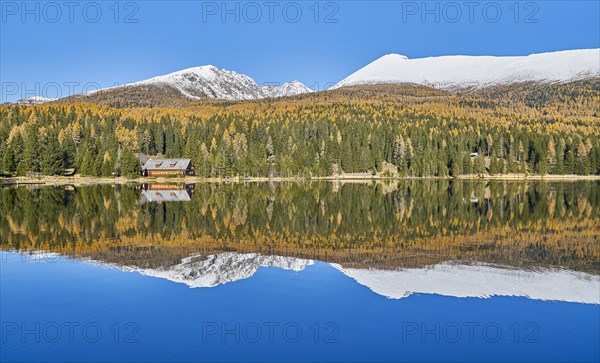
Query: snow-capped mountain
x=35 y=100
x=455 y=279
x=212 y=82
x=449 y=279
x=445 y=72
x=480 y=280
x=287 y=89
x=213 y=270
x=467 y=72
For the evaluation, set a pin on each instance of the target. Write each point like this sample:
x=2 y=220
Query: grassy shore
x=79 y=180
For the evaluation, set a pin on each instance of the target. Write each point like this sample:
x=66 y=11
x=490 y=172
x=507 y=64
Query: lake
x=415 y=271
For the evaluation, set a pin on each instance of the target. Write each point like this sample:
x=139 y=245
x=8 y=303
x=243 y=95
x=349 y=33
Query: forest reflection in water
x=387 y=226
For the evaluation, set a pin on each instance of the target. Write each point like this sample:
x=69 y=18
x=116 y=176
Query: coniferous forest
x=384 y=130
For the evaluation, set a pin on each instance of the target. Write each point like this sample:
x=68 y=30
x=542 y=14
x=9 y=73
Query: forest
x=391 y=131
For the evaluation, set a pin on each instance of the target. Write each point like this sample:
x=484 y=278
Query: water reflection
x=448 y=279
x=483 y=281
x=223 y=268
x=385 y=226
x=159 y=193
x=372 y=258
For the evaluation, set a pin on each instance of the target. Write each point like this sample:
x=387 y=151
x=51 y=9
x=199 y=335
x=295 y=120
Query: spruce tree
x=69 y=150
x=130 y=164
x=8 y=161
x=30 y=160
x=480 y=165
x=86 y=163
x=52 y=158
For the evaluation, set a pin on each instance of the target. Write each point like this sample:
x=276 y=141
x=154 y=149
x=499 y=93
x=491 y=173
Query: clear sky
x=47 y=48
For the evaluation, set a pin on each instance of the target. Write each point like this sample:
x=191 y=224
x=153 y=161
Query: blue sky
x=47 y=48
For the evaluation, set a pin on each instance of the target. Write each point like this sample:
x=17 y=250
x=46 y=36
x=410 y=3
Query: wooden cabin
x=167 y=167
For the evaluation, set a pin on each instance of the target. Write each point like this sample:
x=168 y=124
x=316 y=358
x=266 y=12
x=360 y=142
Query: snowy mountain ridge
x=480 y=281
x=35 y=100
x=213 y=270
x=448 y=278
x=451 y=278
x=471 y=72
x=457 y=72
x=221 y=84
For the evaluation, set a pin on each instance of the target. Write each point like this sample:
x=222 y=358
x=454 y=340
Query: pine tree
x=69 y=150
x=582 y=163
x=542 y=166
x=479 y=165
x=86 y=163
x=30 y=160
x=551 y=156
x=8 y=161
x=107 y=165
x=494 y=165
x=52 y=158
x=456 y=164
x=130 y=164
x=560 y=156
x=97 y=165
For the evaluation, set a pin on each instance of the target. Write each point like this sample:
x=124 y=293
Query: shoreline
x=79 y=180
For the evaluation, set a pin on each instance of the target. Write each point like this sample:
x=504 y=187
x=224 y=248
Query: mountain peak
x=211 y=82
x=292 y=88
x=394 y=56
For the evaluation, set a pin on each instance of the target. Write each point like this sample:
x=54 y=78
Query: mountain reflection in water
x=373 y=261
x=533 y=226
x=387 y=226
x=448 y=279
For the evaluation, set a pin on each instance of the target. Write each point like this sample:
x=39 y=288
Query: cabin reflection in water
x=163 y=192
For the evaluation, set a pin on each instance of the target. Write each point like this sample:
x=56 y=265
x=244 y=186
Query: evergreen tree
x=52 y=158
x=480 y=165
x=29 y=162
x=130 y=164
x=69 y=150
x=8 y=161
x=86 y=162
x=551 y=156
x=495 y=166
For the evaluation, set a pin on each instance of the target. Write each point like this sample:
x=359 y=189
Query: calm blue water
x=77 y=311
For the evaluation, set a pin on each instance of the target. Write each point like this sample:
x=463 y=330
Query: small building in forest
x=143 y=158
x=167 y=167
